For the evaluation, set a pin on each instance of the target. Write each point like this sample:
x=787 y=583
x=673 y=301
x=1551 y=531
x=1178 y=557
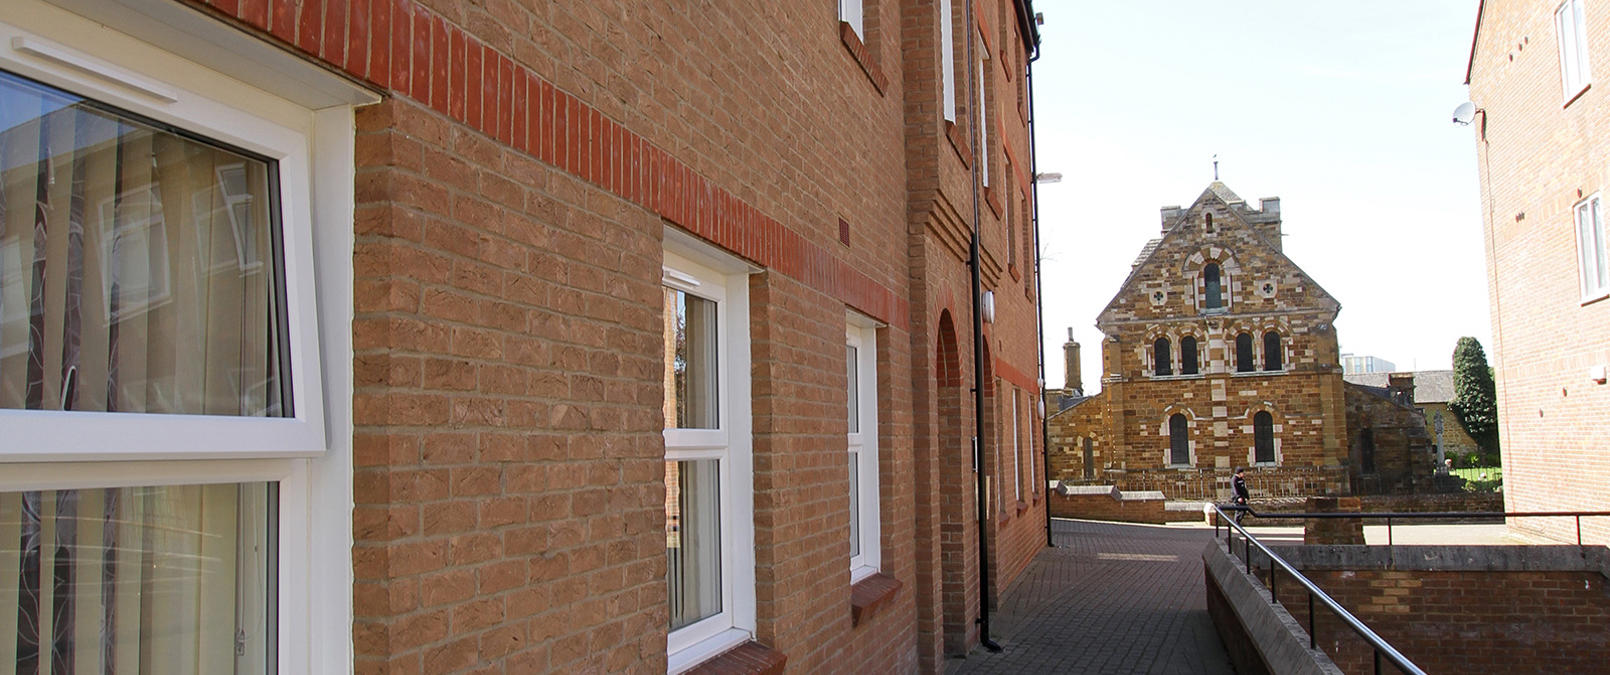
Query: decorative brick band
x=405 y=48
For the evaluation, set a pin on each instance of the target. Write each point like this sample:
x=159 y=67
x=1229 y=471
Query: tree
x=1475 y=401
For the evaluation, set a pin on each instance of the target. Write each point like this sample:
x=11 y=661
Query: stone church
x=1218 y=351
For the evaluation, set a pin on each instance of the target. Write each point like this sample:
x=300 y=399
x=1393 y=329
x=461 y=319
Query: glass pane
x=138 y=265
x=855 y=504
x=1600 y=248
x=693 y=540
x=690 y=361
x=854 y=380
x=174 y=579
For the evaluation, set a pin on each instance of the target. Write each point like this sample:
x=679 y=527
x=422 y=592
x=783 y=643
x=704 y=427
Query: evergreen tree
x=1475 y=401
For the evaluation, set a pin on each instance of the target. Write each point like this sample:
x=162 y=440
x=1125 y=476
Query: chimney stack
x=1070 y=354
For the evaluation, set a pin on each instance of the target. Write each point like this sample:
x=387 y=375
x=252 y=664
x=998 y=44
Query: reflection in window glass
x=1179 y=441
x=138 y=265
x=691 y=369
x=693 y=540
x=854 y=390
x=1214 y=287
x=1263 y=437
x=173 y=579
x=855 y=503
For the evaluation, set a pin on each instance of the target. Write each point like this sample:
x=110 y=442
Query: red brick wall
x=512 y=190
x=1465 y=621
x=1540 y=157
x=511 y=197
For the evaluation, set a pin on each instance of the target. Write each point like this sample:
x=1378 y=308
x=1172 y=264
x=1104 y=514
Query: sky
x=1341 y=110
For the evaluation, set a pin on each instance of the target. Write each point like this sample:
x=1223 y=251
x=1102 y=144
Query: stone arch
x=1196 y=269
x=1248 y=437
x=1175 y=418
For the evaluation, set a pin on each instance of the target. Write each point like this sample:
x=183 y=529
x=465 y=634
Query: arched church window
x=1214 y=296
x=1263 y=437
x=1179 y=442
x=1271 y=351
x=1243 y=353
x=1162 y=359
x=1188 y=364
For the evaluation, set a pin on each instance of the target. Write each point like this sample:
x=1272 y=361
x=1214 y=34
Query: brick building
x=1218 y=352
x=1542 y=133
x=496 y=338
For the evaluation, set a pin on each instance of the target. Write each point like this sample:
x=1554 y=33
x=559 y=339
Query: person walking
x=1239 y=485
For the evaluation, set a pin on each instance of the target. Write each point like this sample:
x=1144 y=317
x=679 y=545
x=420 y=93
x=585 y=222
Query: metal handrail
x=1314 y=592
x=1389 y=515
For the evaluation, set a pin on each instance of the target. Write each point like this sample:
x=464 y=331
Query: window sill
x=1216 y=310
x=1022 y=506
x=993 y=198
x=1593 y=299
x=749 y=658
x=1011 y=268
x=959 y=144
x=858 y=50
x=1177 y=376
x=869 y=595
x=1573 y=97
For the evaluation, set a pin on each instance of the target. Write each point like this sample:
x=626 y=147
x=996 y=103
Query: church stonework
x=1218 y=351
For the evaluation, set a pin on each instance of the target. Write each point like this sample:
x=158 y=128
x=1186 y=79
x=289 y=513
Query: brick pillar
x=1342 y=531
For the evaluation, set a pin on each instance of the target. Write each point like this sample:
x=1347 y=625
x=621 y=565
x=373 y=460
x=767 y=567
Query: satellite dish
x=1464 y=114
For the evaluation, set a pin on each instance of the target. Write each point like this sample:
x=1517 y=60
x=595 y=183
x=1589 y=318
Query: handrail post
x=1579 y=529
x=1313 y=640
x=1377 y=661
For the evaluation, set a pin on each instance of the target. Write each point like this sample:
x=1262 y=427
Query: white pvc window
x=1592 y=258
x=709 y=536
x=1570 y=28
x=852 y=12
x=156 y=270
x=1017 y=465
x=861 y=381
x=947 y=59
x=983 y=113
x=158 y=232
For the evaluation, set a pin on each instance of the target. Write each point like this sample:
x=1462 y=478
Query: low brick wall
x=1461 y=609
x=1105 y=502
x=1214 y=484
x=1433 y=503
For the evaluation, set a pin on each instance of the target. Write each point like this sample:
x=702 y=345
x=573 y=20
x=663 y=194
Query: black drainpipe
x=1039 y=295
x=978 y=347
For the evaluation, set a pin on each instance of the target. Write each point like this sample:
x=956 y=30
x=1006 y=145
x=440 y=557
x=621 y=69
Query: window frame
x=1570 y=33
x=947 y=60
x=171 y=44
x=1250 y=354
x=1184 y=439
x=266 y=128
x=1195 y=358
x=861 y=333
x=1274 y=448
x=695 y=269
x=1278 y=353
x=983 y=108
x=853 y=12
x=1223 y=304
x=1162 y=357
x=1587 y=218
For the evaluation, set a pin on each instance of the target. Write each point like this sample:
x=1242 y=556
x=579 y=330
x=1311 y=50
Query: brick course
x=512 y=193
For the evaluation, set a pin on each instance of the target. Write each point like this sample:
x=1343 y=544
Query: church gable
x=1217 y=256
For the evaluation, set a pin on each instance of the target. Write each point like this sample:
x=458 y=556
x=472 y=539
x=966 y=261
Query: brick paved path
x=1110 y=598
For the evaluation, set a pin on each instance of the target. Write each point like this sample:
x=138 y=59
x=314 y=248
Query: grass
x=1482 y=478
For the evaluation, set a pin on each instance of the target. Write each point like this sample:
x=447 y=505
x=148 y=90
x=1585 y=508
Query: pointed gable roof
x=1238 y=211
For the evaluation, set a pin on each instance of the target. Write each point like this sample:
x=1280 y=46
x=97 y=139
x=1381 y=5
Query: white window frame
x=947 y=59
x=983 y=112
x=1593 y=247
x=268 y=126
x=1570 y=31
x=698 y=270
x=853 y=12
x=861 y=333
x=1017 y=463
x=309 y=456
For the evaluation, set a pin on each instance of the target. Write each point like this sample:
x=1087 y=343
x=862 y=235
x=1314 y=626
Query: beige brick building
x=1219 y=352
x=1542 y=136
